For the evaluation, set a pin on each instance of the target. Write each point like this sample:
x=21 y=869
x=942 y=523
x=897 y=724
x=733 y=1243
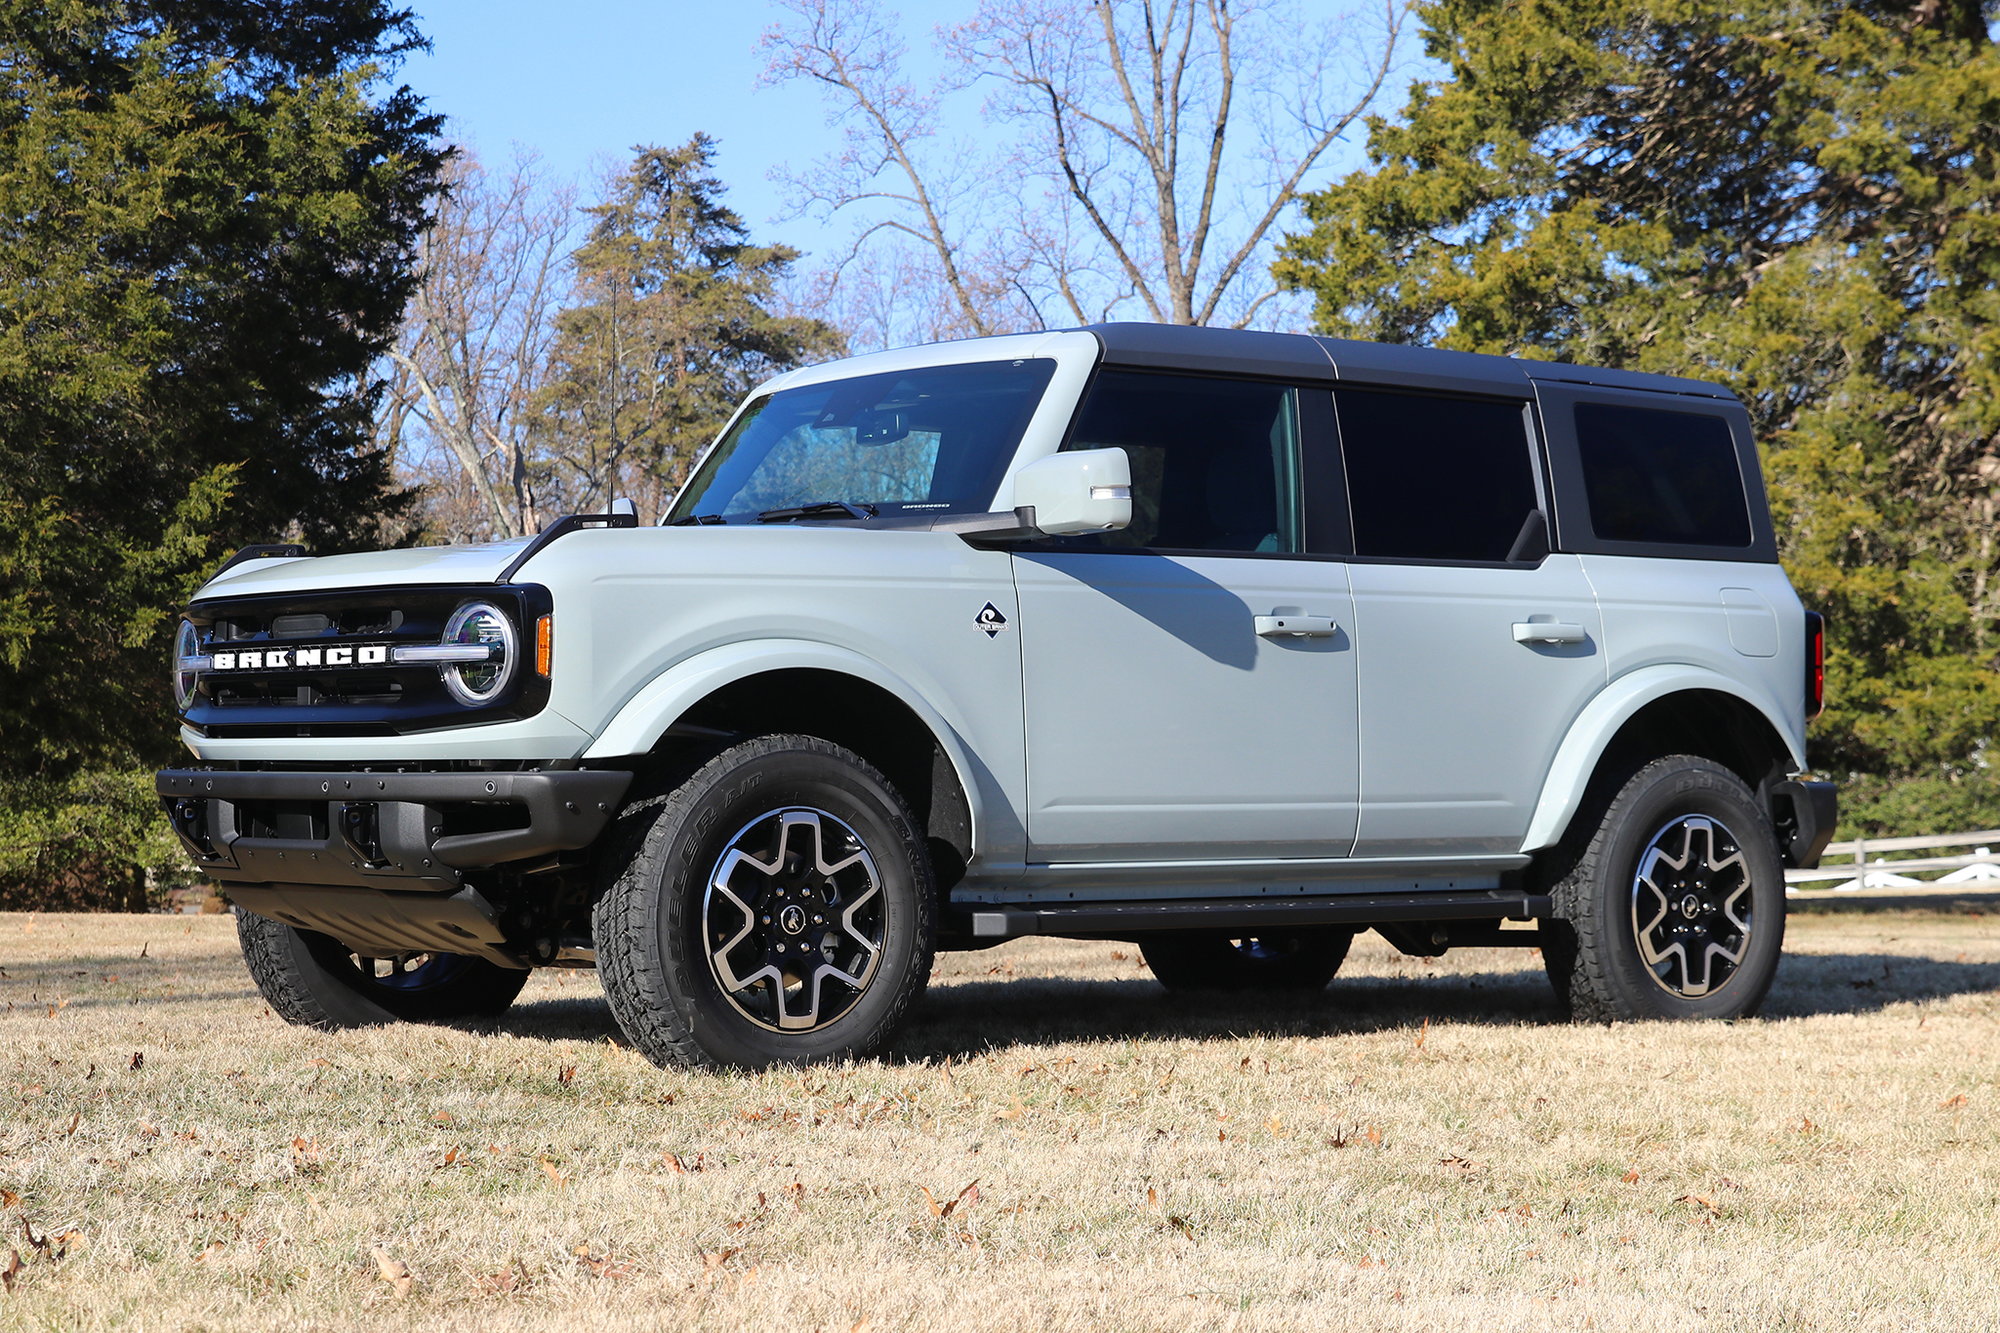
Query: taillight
x=1815 y=664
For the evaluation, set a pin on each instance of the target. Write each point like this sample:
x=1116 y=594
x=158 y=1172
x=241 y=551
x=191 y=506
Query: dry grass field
x=1055 y=1144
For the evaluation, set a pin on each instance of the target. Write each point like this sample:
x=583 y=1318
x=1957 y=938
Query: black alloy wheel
x=1669 y=898
x=776 y=907
x=794 y=919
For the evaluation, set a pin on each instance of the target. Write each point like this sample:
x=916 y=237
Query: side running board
x=1121 y=920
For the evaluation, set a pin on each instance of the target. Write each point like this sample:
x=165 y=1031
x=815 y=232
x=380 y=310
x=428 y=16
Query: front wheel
x=1302 y=959
x=316 y=981
x=1675 y=907
x=777 y=908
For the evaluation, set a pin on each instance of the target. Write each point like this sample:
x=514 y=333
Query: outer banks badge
x=990 y=620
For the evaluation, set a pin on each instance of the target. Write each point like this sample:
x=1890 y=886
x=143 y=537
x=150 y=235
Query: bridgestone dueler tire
x=1592 y=946
x=312 y=980
x=1302 y=959
x=652 y=952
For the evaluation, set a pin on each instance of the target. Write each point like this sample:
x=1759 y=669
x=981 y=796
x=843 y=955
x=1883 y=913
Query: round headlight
x=480 y=623
x=187 y=644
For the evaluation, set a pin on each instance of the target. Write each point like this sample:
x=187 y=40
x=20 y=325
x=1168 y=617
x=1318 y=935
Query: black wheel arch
x=853 y=713
x=1708 y=724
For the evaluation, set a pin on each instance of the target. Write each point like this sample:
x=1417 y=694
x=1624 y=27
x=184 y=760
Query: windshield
x=908 y=441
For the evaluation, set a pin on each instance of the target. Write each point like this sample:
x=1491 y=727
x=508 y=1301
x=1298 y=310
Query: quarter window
x=1434 y=478
x=1657 y=476
x=1214 y=462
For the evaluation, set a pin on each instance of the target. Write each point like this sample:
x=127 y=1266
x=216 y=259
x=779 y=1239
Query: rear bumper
x=1804 y=813
x=397 y=831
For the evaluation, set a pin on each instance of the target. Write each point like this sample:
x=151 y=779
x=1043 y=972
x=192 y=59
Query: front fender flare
x=1615 y=705
x=637 y=726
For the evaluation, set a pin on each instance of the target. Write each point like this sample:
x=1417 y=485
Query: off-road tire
x=1301 y=959
x=1702 y=813
x=653 y=954
x=314 y=980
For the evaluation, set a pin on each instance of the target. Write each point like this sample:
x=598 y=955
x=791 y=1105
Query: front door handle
x=1296 y=627
x=1547 y=631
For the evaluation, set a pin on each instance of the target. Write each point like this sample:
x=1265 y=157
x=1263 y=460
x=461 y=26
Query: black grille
x=350 y=700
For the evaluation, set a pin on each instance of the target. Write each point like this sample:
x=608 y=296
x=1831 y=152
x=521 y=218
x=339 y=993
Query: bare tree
x=1149 y=147
x=475 y=345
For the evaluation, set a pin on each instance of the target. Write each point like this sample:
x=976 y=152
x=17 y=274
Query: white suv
x=1229 y=643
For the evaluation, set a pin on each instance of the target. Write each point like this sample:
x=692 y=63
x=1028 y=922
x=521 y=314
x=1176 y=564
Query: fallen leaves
x=506 y=1282
x=556 y=1177
x=1706 y=1207
x=394 y=1272
x=967 y=1197
x=307 y=1158
x=715 y=1263
x=10 y=1273
x=602 y=1266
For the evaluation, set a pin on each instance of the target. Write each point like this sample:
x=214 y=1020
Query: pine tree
x=673 y=326
x=207 y=218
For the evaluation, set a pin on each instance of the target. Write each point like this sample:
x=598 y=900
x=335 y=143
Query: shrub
x=96 y=841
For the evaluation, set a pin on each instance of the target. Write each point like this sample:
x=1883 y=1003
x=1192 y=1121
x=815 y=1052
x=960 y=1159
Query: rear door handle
x=1547 y=631
x=1297 y=627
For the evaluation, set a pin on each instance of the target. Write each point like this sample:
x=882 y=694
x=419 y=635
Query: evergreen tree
x=208 y=212
x=673 y=326
x=1796 y=199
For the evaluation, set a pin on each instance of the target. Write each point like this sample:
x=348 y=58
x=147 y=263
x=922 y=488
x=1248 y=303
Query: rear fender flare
x=1591 y=734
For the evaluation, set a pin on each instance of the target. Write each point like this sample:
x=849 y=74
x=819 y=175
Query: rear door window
x=1431 y=477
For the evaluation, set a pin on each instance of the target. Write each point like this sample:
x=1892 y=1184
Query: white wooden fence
x=1851 y=867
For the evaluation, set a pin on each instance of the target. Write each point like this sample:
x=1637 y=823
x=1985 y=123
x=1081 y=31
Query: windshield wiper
x=817 y=509
x=694 y=519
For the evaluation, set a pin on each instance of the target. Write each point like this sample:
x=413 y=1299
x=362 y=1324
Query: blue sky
x=614 y=73
x=583 y=89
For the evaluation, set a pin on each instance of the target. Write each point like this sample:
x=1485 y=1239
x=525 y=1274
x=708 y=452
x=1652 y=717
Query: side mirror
x=1088 y=490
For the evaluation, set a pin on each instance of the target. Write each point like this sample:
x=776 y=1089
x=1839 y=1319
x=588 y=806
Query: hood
x=482 y=563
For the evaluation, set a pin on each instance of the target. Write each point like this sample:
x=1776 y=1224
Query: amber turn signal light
x=545 y=642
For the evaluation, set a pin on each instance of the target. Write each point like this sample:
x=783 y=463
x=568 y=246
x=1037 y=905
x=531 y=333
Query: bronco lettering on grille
x=288 y=659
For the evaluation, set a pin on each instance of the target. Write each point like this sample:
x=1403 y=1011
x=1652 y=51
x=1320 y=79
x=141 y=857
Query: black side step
x=1120 y=920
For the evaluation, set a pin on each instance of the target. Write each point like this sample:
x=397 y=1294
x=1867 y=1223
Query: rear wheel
x=777 y=908
x=315 y=980
x=1303 y=959
x=1675 y=906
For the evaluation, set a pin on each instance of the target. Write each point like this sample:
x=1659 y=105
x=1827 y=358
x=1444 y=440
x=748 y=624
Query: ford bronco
x=1229 y=643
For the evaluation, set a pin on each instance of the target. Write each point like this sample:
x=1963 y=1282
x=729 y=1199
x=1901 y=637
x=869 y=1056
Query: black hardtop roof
x=1310 y=357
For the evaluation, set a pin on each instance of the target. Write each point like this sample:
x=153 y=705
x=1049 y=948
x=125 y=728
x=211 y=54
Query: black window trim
x=1573 y=532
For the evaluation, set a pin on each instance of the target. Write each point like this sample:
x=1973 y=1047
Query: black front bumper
x=401 y=831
